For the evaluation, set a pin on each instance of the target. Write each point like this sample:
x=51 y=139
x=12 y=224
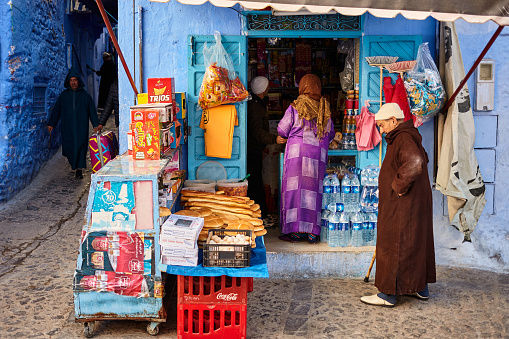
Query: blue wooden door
x=235 y=45
x=403 y=46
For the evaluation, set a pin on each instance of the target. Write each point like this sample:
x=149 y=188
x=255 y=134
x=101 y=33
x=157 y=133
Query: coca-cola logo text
x=227 y=297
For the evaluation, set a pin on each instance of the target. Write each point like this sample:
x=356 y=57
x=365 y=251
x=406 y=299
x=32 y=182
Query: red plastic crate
x=213 y=290
x=211 y=321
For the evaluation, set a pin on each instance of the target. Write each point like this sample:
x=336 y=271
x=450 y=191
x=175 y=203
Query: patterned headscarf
x=311 y=105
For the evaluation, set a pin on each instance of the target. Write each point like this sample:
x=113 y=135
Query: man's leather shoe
x=380 y=299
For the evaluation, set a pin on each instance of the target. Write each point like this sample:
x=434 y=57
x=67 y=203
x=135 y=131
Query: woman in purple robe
x=309 y=129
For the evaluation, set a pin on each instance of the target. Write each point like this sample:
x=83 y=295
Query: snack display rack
x=104 y=289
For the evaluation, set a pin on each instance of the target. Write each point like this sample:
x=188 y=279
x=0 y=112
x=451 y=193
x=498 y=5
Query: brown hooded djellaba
x=405 y=255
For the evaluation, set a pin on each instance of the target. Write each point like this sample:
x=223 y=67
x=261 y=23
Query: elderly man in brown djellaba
x=405 y=254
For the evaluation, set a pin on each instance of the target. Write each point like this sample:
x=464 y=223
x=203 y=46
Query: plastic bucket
x=233 y=187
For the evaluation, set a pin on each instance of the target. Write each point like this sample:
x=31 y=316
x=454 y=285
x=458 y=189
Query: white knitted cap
x=259 y=85
x=389 y=110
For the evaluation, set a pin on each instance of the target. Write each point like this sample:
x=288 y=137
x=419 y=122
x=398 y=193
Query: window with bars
x=39 y=105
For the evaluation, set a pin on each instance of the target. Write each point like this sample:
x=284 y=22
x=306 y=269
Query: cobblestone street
x=39 y=238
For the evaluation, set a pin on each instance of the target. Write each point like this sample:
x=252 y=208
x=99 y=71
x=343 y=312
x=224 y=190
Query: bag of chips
x=426 y=94
x=221 y=84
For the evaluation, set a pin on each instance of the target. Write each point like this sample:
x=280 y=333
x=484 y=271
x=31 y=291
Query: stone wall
x=32 y=55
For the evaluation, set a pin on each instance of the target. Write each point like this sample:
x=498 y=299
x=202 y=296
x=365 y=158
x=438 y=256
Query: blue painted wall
x=32 y=50
x=402 y=26
x=165 y=30
x=33 y=37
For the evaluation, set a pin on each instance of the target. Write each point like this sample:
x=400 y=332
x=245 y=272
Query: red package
x=161 y=90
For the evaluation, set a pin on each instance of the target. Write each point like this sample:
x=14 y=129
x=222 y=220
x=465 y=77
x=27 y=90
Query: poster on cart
x=113 y=206
x=134 y=285
x=120 y=252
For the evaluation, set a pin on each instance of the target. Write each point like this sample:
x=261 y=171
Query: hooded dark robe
x=75 y=109
x=108 y=74
x=405 y=255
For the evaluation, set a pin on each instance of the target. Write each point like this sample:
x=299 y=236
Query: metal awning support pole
x=115 y=43
x=474 y=66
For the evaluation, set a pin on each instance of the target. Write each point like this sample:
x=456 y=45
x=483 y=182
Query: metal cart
x=98 y=301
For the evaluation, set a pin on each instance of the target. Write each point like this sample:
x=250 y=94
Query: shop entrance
x=284 y=61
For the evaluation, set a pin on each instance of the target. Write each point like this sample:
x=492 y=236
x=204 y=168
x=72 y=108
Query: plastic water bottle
x=355 y=190
x=334 y=226
x=326 y=191
x=374 y=198
x=365 y=177
x=325 y=225
x=373 y=225
x=335 y=185
x=345 y=192
x=366 y=232
x=356 y=221
x=344 y=230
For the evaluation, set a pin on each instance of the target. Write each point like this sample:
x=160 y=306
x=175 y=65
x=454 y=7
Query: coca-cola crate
x=213 y=290
x=211 y=321
x=227 y=255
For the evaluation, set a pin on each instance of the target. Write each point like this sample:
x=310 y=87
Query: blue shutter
x=403 y=46
x=236 y=48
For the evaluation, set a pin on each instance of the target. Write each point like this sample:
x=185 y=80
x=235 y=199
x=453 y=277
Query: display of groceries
x=214 y=221
x=350 y=208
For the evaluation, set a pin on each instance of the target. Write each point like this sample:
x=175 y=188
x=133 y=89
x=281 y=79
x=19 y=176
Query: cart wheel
x=153 y=328
x=89 y=328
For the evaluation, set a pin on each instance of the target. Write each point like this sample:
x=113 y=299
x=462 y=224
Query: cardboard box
x=171 y=240
x=184 y=130
x=180 y=105
x=147 y=124
x=176 y=134
x=188 y=257
x=178 y=252
x=142 y=98
x=161 y=90
x=181 y=227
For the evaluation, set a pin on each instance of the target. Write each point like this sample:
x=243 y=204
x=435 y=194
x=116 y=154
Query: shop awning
x=474 y=11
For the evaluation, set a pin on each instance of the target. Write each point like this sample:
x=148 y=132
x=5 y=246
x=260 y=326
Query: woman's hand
x=280 y=140
x=49 y=128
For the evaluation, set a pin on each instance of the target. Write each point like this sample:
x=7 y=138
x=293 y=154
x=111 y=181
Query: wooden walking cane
x=366 y=278
x=49 y=141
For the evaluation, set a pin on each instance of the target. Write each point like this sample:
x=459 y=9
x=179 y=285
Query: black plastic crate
x=227 y=255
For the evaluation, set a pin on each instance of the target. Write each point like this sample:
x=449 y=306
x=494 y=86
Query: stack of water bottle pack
x=349 y=213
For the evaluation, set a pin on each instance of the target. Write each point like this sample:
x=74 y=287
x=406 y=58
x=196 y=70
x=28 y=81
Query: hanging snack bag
x=221 y=84
x=426 y=94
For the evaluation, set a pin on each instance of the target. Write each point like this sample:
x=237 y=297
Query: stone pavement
x=39 y=239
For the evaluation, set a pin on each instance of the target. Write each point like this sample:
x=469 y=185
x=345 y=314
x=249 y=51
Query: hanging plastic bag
x=346 y=76
x=221 y=84
x=366 y=134
x=426 y=94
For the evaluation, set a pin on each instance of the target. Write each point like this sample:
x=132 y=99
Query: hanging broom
x=381 y=62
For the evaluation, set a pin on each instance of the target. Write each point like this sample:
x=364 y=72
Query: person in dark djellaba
x=75 y=107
